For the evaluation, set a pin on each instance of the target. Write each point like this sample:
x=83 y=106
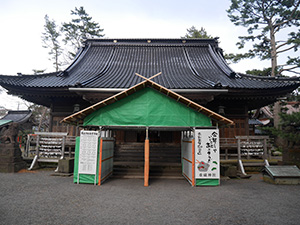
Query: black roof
x=184 y=63
x=18 y=116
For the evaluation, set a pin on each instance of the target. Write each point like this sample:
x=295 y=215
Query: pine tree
x=79 y=29
x=193 y=32
x=273 y=28
x=50 y=39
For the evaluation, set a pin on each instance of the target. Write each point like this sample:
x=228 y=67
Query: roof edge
x=83 y=113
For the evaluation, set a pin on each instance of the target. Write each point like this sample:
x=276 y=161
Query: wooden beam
x=100 y=162
x=148 y=79
x=193 y=162
x=146 y=165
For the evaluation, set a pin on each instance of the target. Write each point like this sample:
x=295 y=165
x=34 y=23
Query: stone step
x=169 y=154
x=162 y=160
x=154 y=172
x=141 y=163
x=254 y=164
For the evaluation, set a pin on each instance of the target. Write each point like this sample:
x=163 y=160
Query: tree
x=36 y=71
x=3 y=112
x=40 y=117
x=79 y=29
x=194 y=33
x=50 y=39
x=266 y=72
x=265 y=21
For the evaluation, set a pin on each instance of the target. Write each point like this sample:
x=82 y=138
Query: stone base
x=228 y=171
x=270 y=180
x=11 y=160
x=66 y=165
x=12 y=167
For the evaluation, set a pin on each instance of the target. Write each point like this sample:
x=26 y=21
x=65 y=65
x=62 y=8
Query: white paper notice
x=88 y=152
x=207 y=158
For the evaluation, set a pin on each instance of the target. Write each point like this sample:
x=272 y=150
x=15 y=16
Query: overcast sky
x=22 y=21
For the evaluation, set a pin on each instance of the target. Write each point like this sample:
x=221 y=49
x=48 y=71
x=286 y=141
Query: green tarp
x=147 y=107
x=5 y=122
x=207 y=182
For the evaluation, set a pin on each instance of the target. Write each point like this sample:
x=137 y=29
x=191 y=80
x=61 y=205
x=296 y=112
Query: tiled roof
x=18 y=116
x=79 y=116
x=185 y=64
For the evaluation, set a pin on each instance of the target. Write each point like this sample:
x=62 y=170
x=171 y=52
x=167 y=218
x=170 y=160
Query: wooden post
x=100 y=162
x=146 y=166
x=193 y=161
x=266 y=157
x=38 y=146
x=63 y=147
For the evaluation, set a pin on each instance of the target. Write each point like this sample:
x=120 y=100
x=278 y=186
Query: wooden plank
x=193 y=162
x=100 y=162
x=51 y=133
x=252 y=137
x=146 y=166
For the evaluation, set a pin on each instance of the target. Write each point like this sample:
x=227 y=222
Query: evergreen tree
x=79 y=29
x=40 y=117
x=265 y=21
x=266 y=72
x=289 y=128
x=50 y=39
x=193 y=32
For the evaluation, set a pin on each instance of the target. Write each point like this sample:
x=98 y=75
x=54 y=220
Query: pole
x=193 y=160
x=100 y=159
x=146 y=166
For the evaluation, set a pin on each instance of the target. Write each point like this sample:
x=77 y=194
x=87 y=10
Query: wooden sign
x=88 y=152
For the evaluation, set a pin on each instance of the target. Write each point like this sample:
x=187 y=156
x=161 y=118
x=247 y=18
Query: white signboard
x=88 y=152
x=207 y=158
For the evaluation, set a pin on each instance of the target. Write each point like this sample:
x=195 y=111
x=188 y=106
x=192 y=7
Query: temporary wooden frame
x=78 y=117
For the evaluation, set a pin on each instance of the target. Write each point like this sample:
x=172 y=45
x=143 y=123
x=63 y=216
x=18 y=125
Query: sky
x=22 y=21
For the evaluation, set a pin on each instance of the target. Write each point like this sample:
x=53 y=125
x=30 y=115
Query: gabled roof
x=18 y=116
x=185 y=64
x=81 y=115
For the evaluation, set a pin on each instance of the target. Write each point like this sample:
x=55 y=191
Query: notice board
x=207 y=157
x=87 y=163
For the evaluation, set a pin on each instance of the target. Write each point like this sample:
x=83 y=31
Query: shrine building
x=192 y=71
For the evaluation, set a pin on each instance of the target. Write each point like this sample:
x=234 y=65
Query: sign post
x=207 y=157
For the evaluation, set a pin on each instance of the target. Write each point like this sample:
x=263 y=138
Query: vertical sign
x=207 y=158
x=88 y=152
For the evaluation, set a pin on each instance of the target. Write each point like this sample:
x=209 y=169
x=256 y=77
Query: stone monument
x=11 y=160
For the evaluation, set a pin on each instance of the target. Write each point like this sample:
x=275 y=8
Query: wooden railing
x=31 y=148
x=229 y=146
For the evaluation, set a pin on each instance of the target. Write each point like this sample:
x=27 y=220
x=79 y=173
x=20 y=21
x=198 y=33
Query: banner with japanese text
x=207 y=157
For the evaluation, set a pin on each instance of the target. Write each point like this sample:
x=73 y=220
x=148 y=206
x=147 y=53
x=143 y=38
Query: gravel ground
x=39 y=198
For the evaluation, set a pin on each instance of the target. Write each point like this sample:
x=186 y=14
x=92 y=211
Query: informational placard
x=87 y=163
x=207 y=157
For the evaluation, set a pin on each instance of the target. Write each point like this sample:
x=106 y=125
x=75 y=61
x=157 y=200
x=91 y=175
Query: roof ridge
x=104 y=69
x=153 y=39
x=32 y=75
x=192 y=68
x=80 y=54
x=294 y=78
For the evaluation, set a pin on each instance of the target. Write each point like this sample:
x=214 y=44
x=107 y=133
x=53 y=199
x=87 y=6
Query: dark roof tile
x=185 y=64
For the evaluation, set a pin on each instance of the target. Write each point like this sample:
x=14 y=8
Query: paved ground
x=38 y=198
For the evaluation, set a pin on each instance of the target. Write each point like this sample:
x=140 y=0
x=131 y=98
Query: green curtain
x=147 y=107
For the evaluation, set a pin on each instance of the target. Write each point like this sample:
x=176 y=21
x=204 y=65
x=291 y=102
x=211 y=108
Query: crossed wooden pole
x=148 y=79
x=147 y=144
